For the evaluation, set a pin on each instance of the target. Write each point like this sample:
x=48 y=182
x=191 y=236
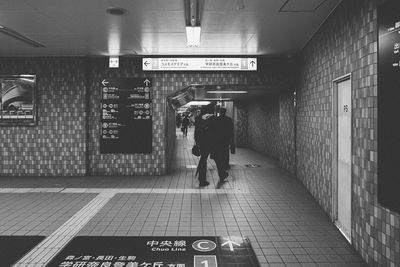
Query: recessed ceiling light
x=116 y=11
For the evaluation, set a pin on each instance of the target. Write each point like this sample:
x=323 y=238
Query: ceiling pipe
x=19 y=37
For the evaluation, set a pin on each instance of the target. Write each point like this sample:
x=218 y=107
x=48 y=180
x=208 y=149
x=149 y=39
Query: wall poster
x=388 y=104
x=18 y=100
x=126 y=116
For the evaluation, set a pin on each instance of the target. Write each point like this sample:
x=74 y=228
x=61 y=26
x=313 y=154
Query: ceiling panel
x=8 y=42
x=225 y=40
x=200 y=51
x=18 y=5
x=71 y=6
x=248 y=27
x=266 y=6
x=301 y=5
x=26 y=22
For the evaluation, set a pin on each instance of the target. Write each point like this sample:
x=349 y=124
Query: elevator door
x=344 y=158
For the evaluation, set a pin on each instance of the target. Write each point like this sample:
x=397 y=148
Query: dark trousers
x=202 y=167
x=221 y=158
x=184 y=130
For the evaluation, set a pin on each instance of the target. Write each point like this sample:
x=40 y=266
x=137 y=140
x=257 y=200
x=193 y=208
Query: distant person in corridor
x=178 y=120
x=224 y=142
x=185 y=125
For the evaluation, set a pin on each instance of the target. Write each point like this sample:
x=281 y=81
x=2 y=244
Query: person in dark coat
x=185 y=125
x=178 y=120
x=223 y=143
x=203 y=136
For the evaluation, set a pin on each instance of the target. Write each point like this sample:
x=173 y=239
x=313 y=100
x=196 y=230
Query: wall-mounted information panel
x=199 y=64
x=388 y=104
x=17 y=100
x=126 y=116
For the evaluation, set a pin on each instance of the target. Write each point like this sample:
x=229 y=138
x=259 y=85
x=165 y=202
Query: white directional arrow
x=146 y=82
x=230 y=243
x=104 y=82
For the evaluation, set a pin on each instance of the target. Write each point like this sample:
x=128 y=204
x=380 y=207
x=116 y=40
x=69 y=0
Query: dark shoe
x=222 y=179
x=204 y=183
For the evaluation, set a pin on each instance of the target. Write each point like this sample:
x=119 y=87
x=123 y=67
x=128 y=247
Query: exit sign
x=114 y=62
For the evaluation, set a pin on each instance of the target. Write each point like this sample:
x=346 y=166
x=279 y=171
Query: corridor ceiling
x=157 y=27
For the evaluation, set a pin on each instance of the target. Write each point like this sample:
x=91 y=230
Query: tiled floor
x=285 y=225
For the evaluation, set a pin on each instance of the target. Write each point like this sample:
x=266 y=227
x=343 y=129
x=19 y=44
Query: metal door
x=344 y=157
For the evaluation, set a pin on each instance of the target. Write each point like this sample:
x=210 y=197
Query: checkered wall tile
x=286 y=132
x=164 y=83
x=240 y=124
x=66 y=140
x=346 y=43
x=125 y=164
x=263 y=126
x=171 y=136
x=56 y=146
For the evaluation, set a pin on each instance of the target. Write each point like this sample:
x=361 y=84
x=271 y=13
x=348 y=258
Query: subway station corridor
x=94 y=168
x=284 y=224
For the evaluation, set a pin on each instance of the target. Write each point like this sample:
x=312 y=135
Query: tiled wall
x=286 y=132
x=270 y=127
x=263 y=126
x=66 y=140
x=126 y=164
x=171 y=136
x=346 y=43
x=56 y=146
x=240 y=124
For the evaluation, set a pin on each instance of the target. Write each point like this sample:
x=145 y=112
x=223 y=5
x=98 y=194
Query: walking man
x=224 y=142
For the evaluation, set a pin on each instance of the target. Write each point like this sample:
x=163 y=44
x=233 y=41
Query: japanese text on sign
x=199 y=64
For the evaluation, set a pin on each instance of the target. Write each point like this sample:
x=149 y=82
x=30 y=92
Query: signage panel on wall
x=199 y=64
x=126 y=115
x=388 y=103
x=17 y=100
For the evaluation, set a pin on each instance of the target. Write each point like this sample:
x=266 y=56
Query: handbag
x=196 y=150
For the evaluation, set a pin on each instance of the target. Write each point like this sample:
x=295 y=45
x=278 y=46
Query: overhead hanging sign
x=199 y=64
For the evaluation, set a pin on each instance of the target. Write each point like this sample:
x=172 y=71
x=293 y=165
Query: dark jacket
x=185 y=122
x=204 y=132
x=224 y=133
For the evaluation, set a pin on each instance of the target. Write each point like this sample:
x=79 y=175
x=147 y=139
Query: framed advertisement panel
x=17 y=100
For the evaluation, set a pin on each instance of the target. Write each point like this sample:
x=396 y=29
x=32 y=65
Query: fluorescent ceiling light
x=218 y=99
x=193 y=36
x=197 y=103
x=227 y=92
